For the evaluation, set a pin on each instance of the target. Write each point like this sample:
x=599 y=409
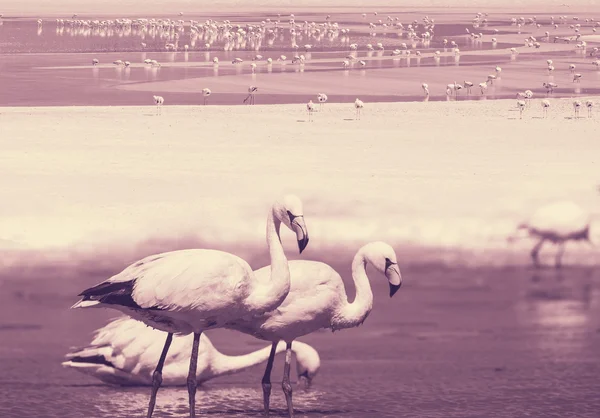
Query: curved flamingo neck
x=223 y=364
x=352 y=314
x=266 y=296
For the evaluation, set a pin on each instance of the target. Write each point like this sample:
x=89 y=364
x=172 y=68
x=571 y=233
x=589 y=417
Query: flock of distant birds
x=253 y=36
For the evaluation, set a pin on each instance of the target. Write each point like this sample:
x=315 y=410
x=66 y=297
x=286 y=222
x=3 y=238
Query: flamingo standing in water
x=358 y=105
x=317 y=299
x=425 y=88
x=558 y=223
x=124 y=353
x=468 y=86
x=206 y=93
x=191 y=291
x=251 y=91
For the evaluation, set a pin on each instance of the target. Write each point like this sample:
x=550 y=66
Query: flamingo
x=521 y=105
x=190 y=291
x=358 y=105
x=317 y=299
x=95 y=61
x=425 y=88
x=159 y=100
x=124 y=353
x=468 y=85
x=545 y=107
x=576 y=107
x=321 y=98
x=251 y=91
x=577 y=78
x=206 y=93
x=310 y=107
x=572 y=68
x=483 y=87
x=558 y=222
x=589 y=104
x=215 y=61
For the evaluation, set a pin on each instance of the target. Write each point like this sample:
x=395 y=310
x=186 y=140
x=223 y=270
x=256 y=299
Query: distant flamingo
x=321 y=98
x=558 y=223
x=425 y=88
x=159 y=100
x=310 y=107
x=589 y=104
x=251 y=91
x=521 y=105
x=206 y=93
x=545 y=107
x=576 y=107
x=358 y=105
x=468 y=86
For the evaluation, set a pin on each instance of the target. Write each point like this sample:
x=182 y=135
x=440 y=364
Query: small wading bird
x=158 y=100
x=317 y=299
x=557 y=223
x=590 y=105
x=358 y=105
x=124 y=353
x=250 y=98
x=191 y=291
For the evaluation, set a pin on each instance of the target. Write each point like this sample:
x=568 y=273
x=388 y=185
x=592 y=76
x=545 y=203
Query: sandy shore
x=449 y=174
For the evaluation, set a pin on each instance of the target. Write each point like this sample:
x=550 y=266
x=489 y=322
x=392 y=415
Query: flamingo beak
x=299 y=226
x=394 y=278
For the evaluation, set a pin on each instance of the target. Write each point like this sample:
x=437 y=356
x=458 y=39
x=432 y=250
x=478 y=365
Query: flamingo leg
x=535 y=251
x=286 y=385
x=266 y=380
x=157 y=375
x=559 y=254
x=191 y=379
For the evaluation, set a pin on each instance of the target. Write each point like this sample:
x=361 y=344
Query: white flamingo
x=321 y=98
x=190 y=291
x=310 y=107
x=317 y=299
x=576 y=107
x=590 y=105
x=468 y=86
x=425 y=88
x=572 y=68
x=158 y=100
x=545 y=107
x=558 y=223
x=251 y=91
x=483 y=87
x=577 y=78
x=521 y=105
x=215 y=61
x=124 y=353
x=358 y=105
x=95 y=61
x=206 y=93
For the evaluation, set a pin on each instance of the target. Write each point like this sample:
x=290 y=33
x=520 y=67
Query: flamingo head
x=383 y=257
x=289 y=211
x=308 y=364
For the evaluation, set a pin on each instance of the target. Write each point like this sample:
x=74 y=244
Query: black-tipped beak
x=302 y=243
x=394 y=288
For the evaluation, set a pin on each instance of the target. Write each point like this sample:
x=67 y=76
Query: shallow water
x=51 y=64
x=453 y=342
